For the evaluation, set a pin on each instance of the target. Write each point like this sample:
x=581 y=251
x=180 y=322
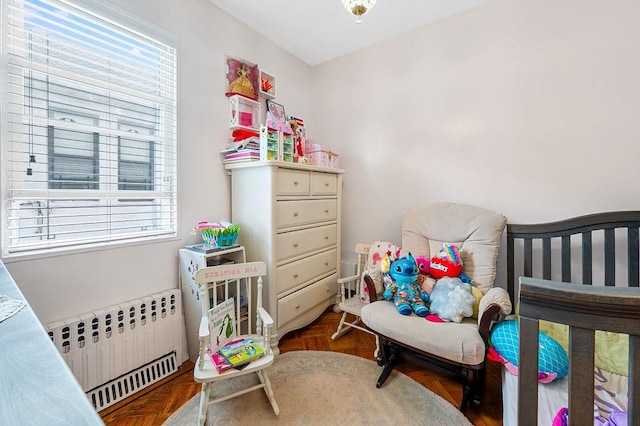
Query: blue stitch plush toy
x=403 y=288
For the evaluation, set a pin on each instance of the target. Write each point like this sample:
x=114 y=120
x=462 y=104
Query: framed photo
x=242 y=78
x=277 y=111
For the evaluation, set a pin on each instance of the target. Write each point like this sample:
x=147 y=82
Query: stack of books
x=244 y=150
x=227 y=350
x=236 y=354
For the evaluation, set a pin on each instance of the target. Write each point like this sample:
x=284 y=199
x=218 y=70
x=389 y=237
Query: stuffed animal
x=425 y=281
x=553 y=362
x=381 y=254
x=423 y=264
x=446 y=263
x=385 y=266
x=452 y=299
x=402 y=287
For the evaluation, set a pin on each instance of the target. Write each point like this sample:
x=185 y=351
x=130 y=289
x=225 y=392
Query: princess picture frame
x=242 y=78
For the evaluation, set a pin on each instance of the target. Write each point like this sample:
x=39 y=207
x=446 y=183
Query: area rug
x=318 y=388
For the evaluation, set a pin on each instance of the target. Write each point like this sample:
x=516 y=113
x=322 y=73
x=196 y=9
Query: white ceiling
x=319 y=30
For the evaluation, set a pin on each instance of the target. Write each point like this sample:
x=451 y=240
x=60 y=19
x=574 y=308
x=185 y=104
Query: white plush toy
x=452 y=299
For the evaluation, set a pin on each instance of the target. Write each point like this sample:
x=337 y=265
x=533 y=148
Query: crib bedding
x=610 y=379
x=611 y=349
x=610 y=393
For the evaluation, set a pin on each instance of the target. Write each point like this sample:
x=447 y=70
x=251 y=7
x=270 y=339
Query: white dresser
x=290 y=216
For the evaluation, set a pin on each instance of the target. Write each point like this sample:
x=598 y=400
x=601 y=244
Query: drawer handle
x=297 y=306
x=326 y=210
x=328 y=289
x=326 y=237
x=295 y=275
x=326 y=184
x=295 y=245
x=326 y=263
x=295 y=214
x=295 y=182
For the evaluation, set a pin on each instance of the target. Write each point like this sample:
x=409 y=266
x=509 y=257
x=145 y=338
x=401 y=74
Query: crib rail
x=579 y=237
x=584 y=309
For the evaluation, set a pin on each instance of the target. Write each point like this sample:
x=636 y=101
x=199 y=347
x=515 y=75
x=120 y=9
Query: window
x=135 y=158
x=73 y=159
x=90 y=145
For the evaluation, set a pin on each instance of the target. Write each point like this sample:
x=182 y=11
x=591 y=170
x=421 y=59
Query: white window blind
x=89 y=146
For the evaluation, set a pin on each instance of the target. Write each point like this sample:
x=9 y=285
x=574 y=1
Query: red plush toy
x=446 y=263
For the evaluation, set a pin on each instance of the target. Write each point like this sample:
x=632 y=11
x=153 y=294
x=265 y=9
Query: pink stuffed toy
x=425 y=281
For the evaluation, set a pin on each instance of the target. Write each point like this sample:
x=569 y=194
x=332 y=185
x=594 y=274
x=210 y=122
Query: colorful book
x=244 y=154
x=219 y=361
x=241 y=352
x=222 y=324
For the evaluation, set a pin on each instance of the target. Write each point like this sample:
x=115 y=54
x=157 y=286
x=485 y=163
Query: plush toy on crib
x=402 y=287
x=553 y=361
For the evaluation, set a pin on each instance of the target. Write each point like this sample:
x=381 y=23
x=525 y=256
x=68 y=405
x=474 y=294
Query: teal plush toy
x=403 y=288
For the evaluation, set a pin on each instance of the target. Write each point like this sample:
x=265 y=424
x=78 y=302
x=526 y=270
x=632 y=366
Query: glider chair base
x=472 y=377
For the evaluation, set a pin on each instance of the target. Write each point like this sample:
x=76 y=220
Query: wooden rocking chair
x=218 y=284
x=349 y=298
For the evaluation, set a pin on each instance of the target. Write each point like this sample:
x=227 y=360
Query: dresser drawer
x=296 y=243
x=297 y=273
x=292 y=182
x=304 y=212
x=324 y=184
x=298 y=303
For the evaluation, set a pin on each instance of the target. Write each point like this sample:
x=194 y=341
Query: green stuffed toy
x=403 y=288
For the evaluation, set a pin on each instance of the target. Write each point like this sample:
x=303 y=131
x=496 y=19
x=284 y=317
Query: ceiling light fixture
x=358 y=7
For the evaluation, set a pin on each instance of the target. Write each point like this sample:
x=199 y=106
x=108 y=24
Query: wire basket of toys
x=221 y=234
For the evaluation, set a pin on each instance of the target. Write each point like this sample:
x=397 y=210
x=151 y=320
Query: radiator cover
x=119 y=350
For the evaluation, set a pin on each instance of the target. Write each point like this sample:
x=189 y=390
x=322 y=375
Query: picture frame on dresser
x=277 y=111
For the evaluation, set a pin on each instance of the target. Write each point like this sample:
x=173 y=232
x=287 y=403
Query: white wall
x=526 y=107
x=58 y=287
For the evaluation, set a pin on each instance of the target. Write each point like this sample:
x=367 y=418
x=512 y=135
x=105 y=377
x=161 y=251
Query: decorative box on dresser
x=290 y=216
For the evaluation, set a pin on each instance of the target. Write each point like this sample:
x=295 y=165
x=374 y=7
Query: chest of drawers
x=290 y=216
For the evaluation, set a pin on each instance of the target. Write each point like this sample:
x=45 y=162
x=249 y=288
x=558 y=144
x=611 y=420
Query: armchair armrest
x=267 y=321
x=344 y=280
x=347 y=279
x=491 y=314
x=265 y=329
x=494 y=306
x=371 y=288
x=203 y=334
x=204 y=327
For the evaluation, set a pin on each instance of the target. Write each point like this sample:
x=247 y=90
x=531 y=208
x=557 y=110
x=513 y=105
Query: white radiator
x=119 y=350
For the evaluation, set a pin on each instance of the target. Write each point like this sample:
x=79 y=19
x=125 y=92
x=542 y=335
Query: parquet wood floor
x=155 y=405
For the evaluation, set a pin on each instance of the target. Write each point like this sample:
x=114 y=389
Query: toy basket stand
x=212 y=237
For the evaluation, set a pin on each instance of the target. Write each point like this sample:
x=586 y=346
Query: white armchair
x=459 y=347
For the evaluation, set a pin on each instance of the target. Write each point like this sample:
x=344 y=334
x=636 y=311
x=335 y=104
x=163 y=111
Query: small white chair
x=351 y=298
x=220 y=283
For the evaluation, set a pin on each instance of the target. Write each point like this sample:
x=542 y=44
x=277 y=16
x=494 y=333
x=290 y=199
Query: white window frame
x=159 y=196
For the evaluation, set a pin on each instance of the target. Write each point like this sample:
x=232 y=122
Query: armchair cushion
x=475 y=231
x=459 y=342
